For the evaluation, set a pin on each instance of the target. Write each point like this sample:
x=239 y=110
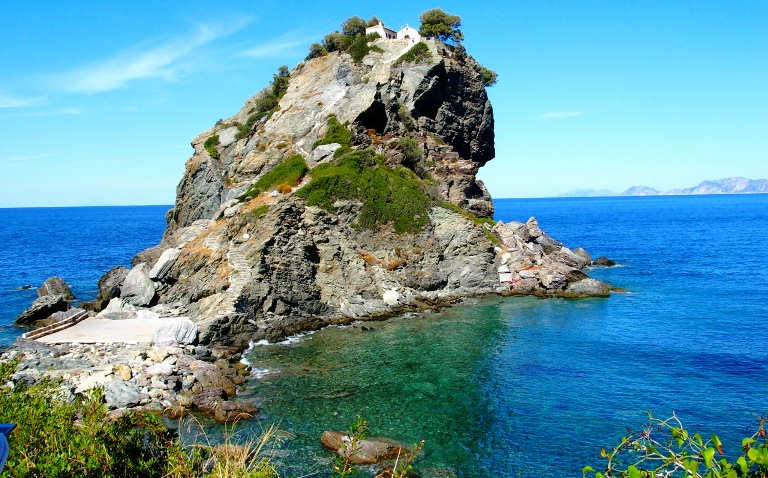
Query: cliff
x=377 y=209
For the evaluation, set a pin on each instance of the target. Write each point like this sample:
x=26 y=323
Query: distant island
x=716 y=186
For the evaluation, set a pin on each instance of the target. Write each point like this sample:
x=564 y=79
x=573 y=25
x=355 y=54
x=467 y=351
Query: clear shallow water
x=498 y=387
x=528 y=387
x=78 y=244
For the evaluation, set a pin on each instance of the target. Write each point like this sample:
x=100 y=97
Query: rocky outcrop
x=157 y=379
x=268 y=265
x=55 y=286
x=42 y=308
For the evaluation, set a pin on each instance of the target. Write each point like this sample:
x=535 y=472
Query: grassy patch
x=411 y=149
x=389 y=195
x=288 y=172
x=211 y=144
x=336 y=133
x=480 y=221
x=419 y=53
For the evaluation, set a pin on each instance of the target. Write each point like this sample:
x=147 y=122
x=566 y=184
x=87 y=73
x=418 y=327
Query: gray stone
x=585 y=257
x=110 y=283
x=322 y=154
x=138 y=288
x=588 y=288
x=176 y=331
x=42 y=308
x=121 y=394
x=55 y=286
x=164 y=263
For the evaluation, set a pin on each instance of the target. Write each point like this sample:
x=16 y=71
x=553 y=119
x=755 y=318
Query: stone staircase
x=215 y=239
x=238 y=278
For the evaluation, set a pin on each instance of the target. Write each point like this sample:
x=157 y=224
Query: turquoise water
x=529 y=387
x=496 y=387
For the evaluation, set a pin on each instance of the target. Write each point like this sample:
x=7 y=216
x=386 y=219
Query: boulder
x=42 y=308
x=122 y=371
x=210 y=376
x=588 y=288
x=369 y=451
x=322 y=154
x=64 y=315
x=55 y=286
x=138 y=289
x=110 y=283
x=121 y=394
x=603 y=261
x=214 y=401
x=164 y=263
x=581 y=252
x=161 y=369
x=178 y=330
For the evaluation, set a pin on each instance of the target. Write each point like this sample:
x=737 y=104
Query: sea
x=494 y=386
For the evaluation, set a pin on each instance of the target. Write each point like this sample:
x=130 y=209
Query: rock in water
x=369 y=451
x=55 y=286
x=252 y=251
x=138 y=289
x=603 y=261
x=42 y=308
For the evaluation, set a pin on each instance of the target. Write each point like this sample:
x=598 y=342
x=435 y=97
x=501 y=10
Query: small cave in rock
x=428 y=104
x=375 y=117
x=473 y=191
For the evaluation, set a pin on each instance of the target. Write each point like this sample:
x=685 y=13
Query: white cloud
x=7 y=101
x=561 y=114
x=282 y=45
x=159 y=61
x=28 y=157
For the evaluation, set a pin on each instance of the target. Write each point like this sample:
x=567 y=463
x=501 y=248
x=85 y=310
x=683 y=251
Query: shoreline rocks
x=141 y=376
x=369 y=451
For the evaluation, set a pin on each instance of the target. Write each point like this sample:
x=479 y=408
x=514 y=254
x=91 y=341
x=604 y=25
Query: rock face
x=270 y=266
x=55 y=286
x=42 y=308
x=137 y=288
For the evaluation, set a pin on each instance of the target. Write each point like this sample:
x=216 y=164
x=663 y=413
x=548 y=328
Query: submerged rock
x=368 y=451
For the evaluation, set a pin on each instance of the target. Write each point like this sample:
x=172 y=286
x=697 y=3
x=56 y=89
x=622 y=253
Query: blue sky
x=99 y=100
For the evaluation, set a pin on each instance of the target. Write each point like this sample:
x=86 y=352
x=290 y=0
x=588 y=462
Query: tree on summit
x=438 y=24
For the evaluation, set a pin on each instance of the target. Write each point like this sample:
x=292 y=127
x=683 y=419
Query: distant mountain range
x=715 y=186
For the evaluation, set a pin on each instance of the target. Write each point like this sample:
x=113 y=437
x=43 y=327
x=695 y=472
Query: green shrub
x=405 y=117
x=412 y=150
x=372 y=36
x=289 y=171
x=489 y=77
x=211 y=144
x=665 y=448
x=354 y=26
x=316 y=50
x=358 y=49
x=57 y=437
x=389 y=195
x=336 y=133
x=419 y=53
x=441 y=25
